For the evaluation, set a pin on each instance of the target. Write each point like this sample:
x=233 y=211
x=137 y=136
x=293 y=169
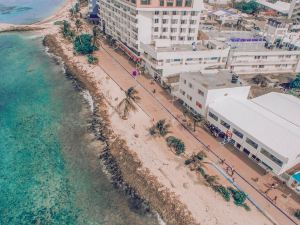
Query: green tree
x=161 y=128
x=197 y=119
x=176 y=144
x=128 y=103
x=78 y=24
x=92 y=59
x=238 y=196
x=250 y=7
x=295 y=83
x=66 y=28
x=83 y=44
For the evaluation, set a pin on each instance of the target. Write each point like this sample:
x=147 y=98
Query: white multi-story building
x=132 y=22
x=250 y=53
x=165 y=61
x=200 y=89
x=266 y=128
x=276 y=30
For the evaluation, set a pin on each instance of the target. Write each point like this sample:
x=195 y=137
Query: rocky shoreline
x=126 y=170
x=19 y=28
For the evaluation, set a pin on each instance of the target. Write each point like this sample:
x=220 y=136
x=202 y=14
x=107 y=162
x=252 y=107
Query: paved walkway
x=160 y=106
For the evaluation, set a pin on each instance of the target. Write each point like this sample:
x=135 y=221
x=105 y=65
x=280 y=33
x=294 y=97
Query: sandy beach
x=179 y=195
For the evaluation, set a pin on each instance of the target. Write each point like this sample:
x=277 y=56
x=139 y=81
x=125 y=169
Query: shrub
x=247 y=7
x=92 y=59
x=246 y=207
x=297 y=214
x=188 y=161
x=201 y=171
x=177 y=144
x=161 y=128
x=238 y=196
x=223 y=191
x=211 y=180
x=83 y=44
x=201 y=155
x=152 y=131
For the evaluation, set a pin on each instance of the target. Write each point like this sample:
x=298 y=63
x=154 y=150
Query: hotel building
x=132 y=22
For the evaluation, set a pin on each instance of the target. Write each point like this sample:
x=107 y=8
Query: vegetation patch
x=83 y=44
x=176 y=144
x=92 y=59
x=297 y=214
x=161 y=128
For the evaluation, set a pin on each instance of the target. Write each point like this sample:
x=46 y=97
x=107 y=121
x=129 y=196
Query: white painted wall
x=287 y=163
x=145 y=27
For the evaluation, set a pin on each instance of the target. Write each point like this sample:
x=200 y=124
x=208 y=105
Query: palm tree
x=78 y=24
x=95 y=34
x=127 y=104
x=161 y=128
x=197 y=119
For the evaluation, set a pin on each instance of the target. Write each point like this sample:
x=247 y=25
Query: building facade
x=165 y=61
x=266 y=128
x=200 y=89
x=133 y=22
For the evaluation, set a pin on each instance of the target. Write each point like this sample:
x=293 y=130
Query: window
x=174 y=21
x=178 y=2
x=188 y=3
x=189 y=97
x=182 y=92
x=156 y=12
x=161 y=2
x=198 y=104
x=169 y=3
x=165 y=13
x=145 y=2
x=184 y=81
x=246 y=151
x=156 y=21
x=225 y=124
x=252 y=143
x=155 y=29
x=200 y=92
x=271 y=157
x=213 y=116
x=237 y=133
x=190 y=85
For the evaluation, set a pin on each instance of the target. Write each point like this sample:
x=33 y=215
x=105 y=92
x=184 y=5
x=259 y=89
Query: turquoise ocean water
x=27 y=11
x=49 y=171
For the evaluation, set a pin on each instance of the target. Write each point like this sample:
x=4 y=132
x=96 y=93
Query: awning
x=128 y=52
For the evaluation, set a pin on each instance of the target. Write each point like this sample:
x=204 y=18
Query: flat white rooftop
x=213 y=79
x=284 y=106
x=279 y=6
x=266 y=124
